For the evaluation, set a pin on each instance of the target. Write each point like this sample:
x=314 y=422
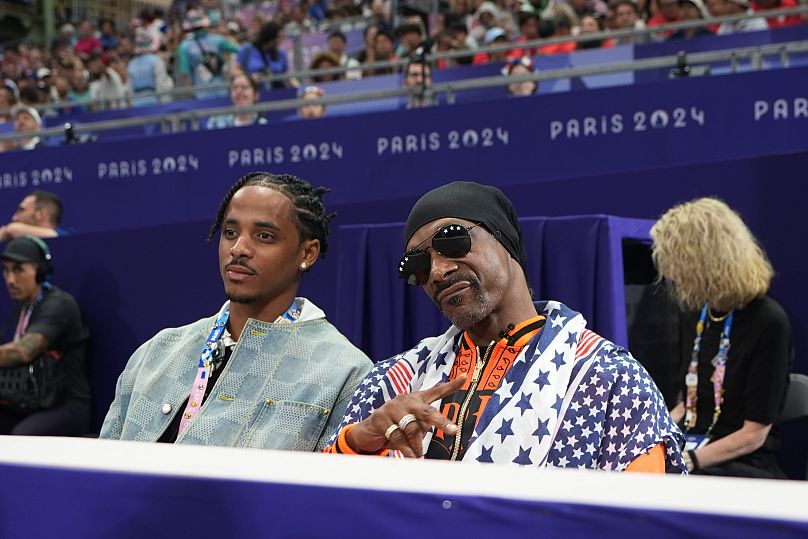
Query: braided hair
x=313 y=222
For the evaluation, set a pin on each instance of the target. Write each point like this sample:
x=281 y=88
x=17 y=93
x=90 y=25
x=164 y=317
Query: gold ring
x=406 y=420
x=390 y=430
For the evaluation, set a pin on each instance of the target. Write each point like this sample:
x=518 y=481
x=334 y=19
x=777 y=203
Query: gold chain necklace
x=716 y=318
x=478 y=370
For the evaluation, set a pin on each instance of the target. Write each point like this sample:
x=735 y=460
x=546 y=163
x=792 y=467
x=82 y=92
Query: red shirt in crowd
x=781 y=21
x=88 y=46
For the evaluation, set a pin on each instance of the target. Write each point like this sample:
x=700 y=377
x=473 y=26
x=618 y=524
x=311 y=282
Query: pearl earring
x=303 y=266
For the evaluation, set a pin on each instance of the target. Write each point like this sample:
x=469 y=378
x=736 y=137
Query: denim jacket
x=286 y=386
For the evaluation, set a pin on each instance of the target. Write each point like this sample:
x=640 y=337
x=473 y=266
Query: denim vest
x=286 y=386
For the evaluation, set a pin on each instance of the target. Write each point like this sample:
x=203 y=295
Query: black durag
x=473 y=202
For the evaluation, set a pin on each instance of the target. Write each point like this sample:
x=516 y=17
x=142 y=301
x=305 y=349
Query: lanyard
x=719 y=364
x=206 y=360
x=25 y=319
x=26 y=312
x=205 y=367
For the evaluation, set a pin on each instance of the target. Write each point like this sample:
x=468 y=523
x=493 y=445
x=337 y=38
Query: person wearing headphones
x=49 y=337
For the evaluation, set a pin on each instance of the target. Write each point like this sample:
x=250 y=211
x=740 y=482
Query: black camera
x=72 y=138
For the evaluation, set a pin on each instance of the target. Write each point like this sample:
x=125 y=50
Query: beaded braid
x=313 y=222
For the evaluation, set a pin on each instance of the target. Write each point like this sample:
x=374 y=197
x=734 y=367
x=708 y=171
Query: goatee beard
x=244 y=299
x=475 y=312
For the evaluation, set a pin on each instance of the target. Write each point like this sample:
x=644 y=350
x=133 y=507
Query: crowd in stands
x=91 y=67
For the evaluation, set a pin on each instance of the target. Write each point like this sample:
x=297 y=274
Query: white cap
x=29 y=110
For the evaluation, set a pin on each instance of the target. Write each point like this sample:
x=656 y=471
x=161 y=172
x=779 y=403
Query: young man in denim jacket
x=268 y=370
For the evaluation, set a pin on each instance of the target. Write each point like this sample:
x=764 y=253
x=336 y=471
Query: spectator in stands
x=87 y=44
x=147 y=71
x=299 y=22
x=43 y=85
x=383 y=51
x=520 y=66
x=563 y=28
x=336 y=46
x=202 y=56
x=692 y=10
x=106 y=86
x=44 y=100
x=366 y=55
x=325 y=60
x=546 y=383
x=168 y=45
x=582 y=8
x=7 y=101
x=39 y=215
x=418 y=79
x=152 y=21
x=43 y=74
x=244 y=91
x=318 y=10
x=67 y=37
x=119 y=65
x=461 y=34
x=265 y=343
x=378 y=10
x=313 y=111
x=484 y=20
x=593 y=25
x=264 y=56
x=49 y=324
x=447 y=42
x=507 y=19
x=494 y=37
x=27 y=120
x=234 y=31
x=80 y=93
x=8 y=98
x=60 y=90
x=108 y=38
x=410 y=36
x=647 y=9
x=12 y=62
x=28 y=93
x=528 y=31
x=781 y=20
x=670 y=11
x=627 y=17
x=733 y=382
x=724 y=8
x=543 y=8
x=126 y=47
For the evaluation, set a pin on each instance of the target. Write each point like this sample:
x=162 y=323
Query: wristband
x=694 y=459
x=342 y=445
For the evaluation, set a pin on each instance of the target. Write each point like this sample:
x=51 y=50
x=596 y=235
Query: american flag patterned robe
x=571 y=399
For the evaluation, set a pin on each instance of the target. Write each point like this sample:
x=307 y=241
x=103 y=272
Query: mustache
x=239 y=262
x=469 y=277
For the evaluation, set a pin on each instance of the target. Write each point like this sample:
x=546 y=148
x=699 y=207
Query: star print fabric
x=571 y=399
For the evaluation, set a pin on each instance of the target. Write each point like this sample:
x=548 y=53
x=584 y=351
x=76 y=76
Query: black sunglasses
x=451 y=241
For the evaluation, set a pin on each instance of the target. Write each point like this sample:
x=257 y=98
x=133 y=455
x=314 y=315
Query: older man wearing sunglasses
x=511 y=380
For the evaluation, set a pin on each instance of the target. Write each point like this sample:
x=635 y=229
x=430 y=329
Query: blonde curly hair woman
x=735 y=378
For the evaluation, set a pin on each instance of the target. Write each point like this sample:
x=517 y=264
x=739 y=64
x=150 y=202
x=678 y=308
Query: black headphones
x=44 y=270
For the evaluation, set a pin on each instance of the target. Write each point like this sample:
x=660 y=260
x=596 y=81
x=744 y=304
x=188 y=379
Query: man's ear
x=309 y=252
x=42 y=217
